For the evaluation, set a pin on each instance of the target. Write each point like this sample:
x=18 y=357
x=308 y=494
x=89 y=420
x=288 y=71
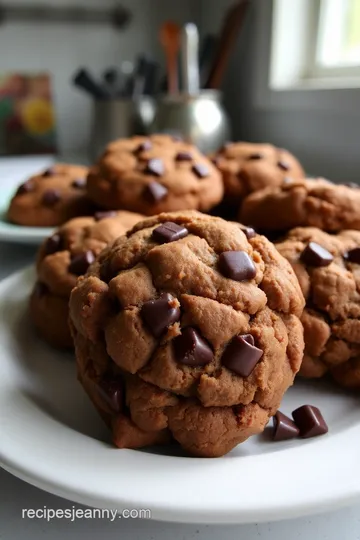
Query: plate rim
x=345 y=480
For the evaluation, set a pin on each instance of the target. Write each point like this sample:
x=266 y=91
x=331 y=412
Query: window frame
x=282 y=84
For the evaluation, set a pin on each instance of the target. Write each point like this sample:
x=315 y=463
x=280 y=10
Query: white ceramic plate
x=52 y=438
x=18 y=233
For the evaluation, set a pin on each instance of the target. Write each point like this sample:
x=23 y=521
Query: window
x=337 y=39
x=315 y=43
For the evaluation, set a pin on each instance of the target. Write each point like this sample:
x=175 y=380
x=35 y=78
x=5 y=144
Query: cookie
x=307 y=203
x=248 y=167
x=61 y=259
x=154 y=174
x=328 y=270
x=187 y=328
x=50 y=198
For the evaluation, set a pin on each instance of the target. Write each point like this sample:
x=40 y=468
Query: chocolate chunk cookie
x=51 y=197
x=311 y=202
x=187 y=328
x=154 y=174
x=61 y=259
x=328 y=270
x=248 y=167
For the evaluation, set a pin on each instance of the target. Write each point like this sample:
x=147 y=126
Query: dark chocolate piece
x=256 y=156
x=200 y=170
x=191 y=349
x=51 y=197
x=316 y=255
x=237 y=265
x=155 y=167
x=27 y=187
x=80 y=263
x=183 y=156
x=160 y=313
x=241 y=355
x=79 y=183
x=283 y=165
x=249 y=232
x=310 y=421
x=144 y=147
x=155 y=192
x=353 y=256
x=112 y=392
x=169 y=232
x=284 y=427
x=53 y=244
x=98 y=216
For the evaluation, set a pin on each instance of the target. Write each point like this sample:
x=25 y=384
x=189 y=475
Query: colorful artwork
x=27 y=117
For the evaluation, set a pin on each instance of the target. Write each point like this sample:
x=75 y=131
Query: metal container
x=114 y=119
x=200 y=119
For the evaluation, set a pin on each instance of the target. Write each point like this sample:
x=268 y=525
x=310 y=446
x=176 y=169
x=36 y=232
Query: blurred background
x=292 y=75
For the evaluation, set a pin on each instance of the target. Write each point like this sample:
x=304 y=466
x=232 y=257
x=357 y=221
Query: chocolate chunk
x=53 y=244
x=144 y=147
x=316 y=255
x=112 y=392
x=51 y=197
x=49 y=172
x=155 y=192
x=79 y=183
x=191 y=349
x=287 y=180
x=310 y=421
x=352 y=185
x=98 y=216
x=249 y=232
x=241 y=355
x=200 y=170
x=161 y=313
x=284 y=427
x=237 y=265
x=353 y=256
x=256 y=156
x=183 y=156
x=283 y=165
x=155 y=166
x=169 y=232
x=40 y=289
x=216 y=161
x=27 y=187
x=80 y=263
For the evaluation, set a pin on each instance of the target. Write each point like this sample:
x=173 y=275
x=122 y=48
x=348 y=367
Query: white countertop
x=16 y=495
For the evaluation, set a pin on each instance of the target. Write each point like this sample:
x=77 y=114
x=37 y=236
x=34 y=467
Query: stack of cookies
x=316 y=225
x=189 y=327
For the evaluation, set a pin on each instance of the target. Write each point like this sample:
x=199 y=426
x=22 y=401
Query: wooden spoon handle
x=172 y=71
x=232 y=24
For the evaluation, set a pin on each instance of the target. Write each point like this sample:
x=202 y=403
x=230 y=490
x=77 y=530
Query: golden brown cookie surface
x=187 y=328
x=61 y=259
x=248 y=167
x=328 y=270
x=310 y=202
x=154 y=174
x=50 y=198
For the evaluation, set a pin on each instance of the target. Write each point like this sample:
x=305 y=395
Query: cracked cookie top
x=309 y=202
x=154 y=174
x=328 y=270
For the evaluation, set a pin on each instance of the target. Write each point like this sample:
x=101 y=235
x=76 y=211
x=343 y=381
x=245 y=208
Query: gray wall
x=327 y=141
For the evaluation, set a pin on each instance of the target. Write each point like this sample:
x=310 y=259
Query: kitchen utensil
x=232 y=24
x=207 y=55
x=170 y=40
x=112 y=81
x=122 y=117
x=190 y=58
x=83 y=79
x=200 y=119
